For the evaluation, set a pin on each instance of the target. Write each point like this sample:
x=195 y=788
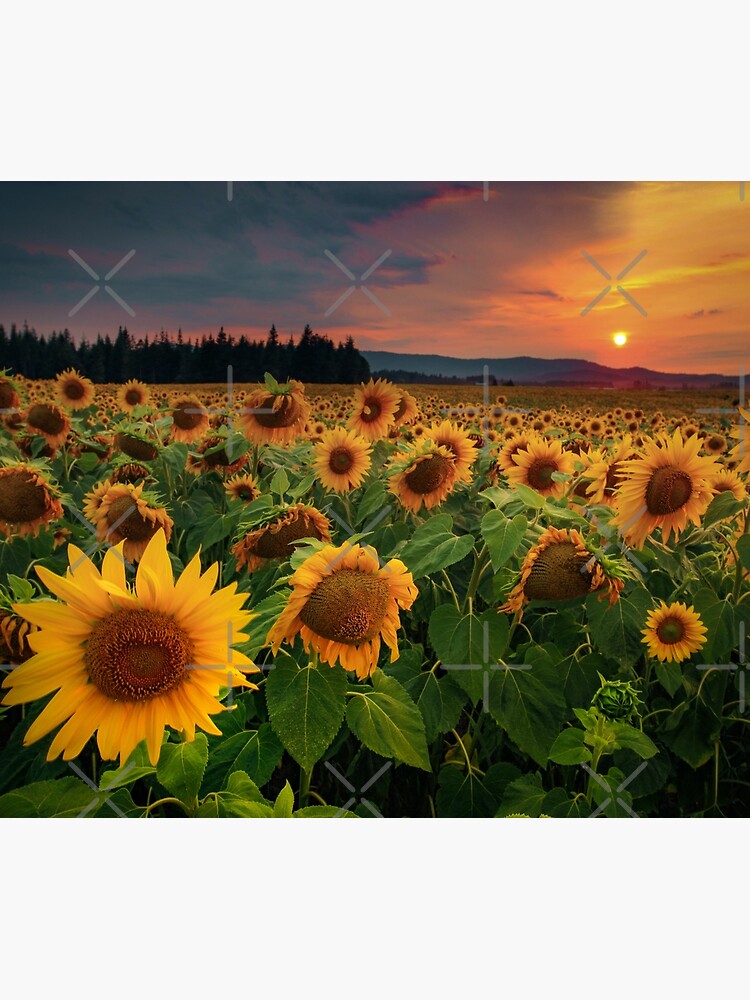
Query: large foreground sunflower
x=343 y=603
x=342 y=458
x=560 y=567
x=674 y=632
x=28 y=501
x=667 y=486
x=424 y=477
x=74 y=390
x=275 y=414
x=375 y=408
x=126 y=662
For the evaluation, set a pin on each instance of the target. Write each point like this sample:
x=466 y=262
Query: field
x=358 y=601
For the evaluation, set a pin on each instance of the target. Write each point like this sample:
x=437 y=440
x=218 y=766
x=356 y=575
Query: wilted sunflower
x=535 y=464
x=130 y=472
x=121 y=512
x=28 y=501
x=242 y=487
x=132 y=394
x=558 y=568
x=605 y=473
x=74 y=390
x=49 y=421
x=275 y=414
x=215 y=454
x=460 y=444
x=674 y=632
x=136 y=445
x=665 y=487
x=423 y=477
x=275 y=537
x=342 y=458
x=189 y=420
x=343 y=603
x=375 y=406
x=126 y=662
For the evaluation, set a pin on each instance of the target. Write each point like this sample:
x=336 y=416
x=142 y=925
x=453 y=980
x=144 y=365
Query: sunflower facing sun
x=125 y=662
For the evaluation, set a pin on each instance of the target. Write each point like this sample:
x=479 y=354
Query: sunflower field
x=367 y=601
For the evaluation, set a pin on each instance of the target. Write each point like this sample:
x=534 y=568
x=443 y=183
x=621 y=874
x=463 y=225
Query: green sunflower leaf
x=502 y=535
x=388 y=722
x=181 y=767
x=433 y=547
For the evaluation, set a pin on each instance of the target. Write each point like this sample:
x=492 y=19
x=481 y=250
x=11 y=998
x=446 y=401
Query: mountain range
x=543 y=371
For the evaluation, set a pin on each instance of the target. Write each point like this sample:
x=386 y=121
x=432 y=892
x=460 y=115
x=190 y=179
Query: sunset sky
x=472 y=270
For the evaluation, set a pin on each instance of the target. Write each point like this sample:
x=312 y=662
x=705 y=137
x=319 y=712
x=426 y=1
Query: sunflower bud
x=618 y=701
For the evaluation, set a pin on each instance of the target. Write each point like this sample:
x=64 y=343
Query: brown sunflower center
x=371 y=410
x=429 y=474
x=131 y=524
x=188 y=415
x=46 y=418
x=347 y=606
x=340 y=460
x=668 y=490
x=133 y=397
x=716 y=443
x=136 y=448
x=559 y=573
x=539 y=474
x=671 y=630
x=278 y=544
x=245 y=492
x=612 y=480
x=286 y=413
x=22 y=498
x=73 y=389
x=135 y=654
x=8 y=396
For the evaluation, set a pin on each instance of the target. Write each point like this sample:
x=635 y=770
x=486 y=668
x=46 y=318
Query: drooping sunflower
x=133 y=394
x=242 y=487
x=407 y=409
x=605 y=473
x=48 y=421
x=9 y=398
x=28 y=501
x=275 y=415
x=342 y=459
x=74 y=390
x=190 y=420
x=423 y=477
x=274 y=538
x=215 y=453
x=123 y=512
x=375 y=406
x=343 y=603
x=130 y=472
x=560 y=567
x=461 y=445
x=666 y=487
x=674 y=632
x=126 y=662
x=135 y=444
x=535 y=464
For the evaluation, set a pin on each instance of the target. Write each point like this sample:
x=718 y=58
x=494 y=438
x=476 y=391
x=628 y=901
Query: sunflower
x=462 y=446
x=9 y=398
x=130 y=472
x=126 y=662
x=674 y=632
x=666 y=486
x=513 y=444
x=189 y=420
x=535 y=465
x=121 y=512
x=407 y=409
x=48 y=421
x=375 y=407
x=728 y=481
x=342 y=458
x=714 y=444
x=242 y=487
x=14 y=638
x=343 y=603
x=275 y=414
x=136 y=445
x=133 y=394
x=740 y=453
x=423 y=477
x=275 y=538
x=605 y=472
x=559 y=568
x=28 y=501
x=74 y=390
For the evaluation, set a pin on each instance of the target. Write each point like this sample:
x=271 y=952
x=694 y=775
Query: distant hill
x=543 y=371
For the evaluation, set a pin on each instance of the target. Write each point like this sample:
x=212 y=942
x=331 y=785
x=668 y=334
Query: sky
x=475 y=269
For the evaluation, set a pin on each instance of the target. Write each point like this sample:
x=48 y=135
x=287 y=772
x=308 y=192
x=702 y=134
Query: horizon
x=463 y=270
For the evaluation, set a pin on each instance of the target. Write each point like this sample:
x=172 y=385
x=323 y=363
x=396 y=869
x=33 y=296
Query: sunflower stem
x=480 y=565
x=304 y=785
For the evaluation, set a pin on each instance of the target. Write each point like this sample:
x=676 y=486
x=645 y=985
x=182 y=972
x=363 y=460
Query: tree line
x=161 y=358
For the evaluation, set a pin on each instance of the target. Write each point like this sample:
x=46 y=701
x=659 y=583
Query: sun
x=620 y=338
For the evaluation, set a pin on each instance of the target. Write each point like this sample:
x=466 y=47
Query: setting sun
x=620 y=339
